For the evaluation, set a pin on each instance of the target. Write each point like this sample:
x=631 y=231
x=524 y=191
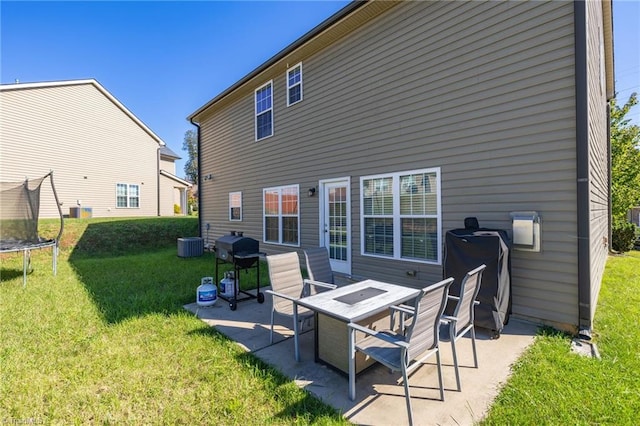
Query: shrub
x=176 y=209
x=623 y=236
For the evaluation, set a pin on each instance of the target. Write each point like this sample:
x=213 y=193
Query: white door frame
x=336 y=265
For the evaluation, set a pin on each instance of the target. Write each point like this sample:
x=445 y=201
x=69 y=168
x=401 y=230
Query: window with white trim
x=235 y=206
x=264 y=111
x=400 y=216
x=294 y=84
x=127 y=195
x=281 y=215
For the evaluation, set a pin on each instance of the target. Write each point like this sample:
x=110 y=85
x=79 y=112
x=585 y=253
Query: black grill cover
x=466 y=249
x=234 y=248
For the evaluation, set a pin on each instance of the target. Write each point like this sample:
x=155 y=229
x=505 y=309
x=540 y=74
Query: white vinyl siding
x=264 y=111
x=401 y=215
x=281 y=207
x=294 y=84
x=235 y=206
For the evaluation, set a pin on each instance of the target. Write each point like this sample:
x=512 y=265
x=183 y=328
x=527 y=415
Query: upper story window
x=235 y=206
x=281 y=215
x=400 y=216
x=264 y=111
x=294 y=84
x=127 y=195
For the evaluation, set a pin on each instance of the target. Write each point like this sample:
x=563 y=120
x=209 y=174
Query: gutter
x=582 y=171
x=197 y=126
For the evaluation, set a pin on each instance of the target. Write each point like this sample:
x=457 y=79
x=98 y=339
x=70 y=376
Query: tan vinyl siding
x=483 y=90
x=167 y=196
x=168 y=166
x=89 y=143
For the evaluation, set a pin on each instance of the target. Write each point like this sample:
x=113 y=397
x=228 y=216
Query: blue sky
x=163 y=60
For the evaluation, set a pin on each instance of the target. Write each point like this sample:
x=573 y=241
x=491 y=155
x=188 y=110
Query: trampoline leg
x=24 y=268
x=55 y=260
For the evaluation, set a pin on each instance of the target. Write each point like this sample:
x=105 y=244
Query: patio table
x=361 y=301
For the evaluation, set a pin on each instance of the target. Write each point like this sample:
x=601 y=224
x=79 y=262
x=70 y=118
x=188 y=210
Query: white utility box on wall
x=526 y=231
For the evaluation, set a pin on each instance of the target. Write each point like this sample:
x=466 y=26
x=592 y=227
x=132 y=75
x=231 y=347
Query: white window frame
x=291 y=86
x=280 y=215
x=128 y=196
x=397 y=217
x=269 y=109
x=235 y=202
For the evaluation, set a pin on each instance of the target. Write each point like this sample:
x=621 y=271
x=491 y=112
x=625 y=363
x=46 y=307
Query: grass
x=551 y=385
x=107 y=341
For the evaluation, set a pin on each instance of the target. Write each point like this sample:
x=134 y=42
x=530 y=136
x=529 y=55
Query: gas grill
x=243 y=253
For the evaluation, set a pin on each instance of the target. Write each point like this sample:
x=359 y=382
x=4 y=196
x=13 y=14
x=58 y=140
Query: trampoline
x=19 y=211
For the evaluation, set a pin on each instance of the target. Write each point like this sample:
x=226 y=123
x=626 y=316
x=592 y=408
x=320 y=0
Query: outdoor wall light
x=312 y=191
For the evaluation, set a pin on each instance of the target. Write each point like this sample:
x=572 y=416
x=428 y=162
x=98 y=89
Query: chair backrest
x=319 y=265
x=422 y=335
x=285 y=277
x=468 y=293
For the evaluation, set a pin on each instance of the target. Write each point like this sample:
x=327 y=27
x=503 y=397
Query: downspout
x=197 y=126
x=582 y=171
x=158 y=178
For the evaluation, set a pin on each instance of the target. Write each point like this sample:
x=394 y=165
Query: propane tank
x=228 y=285
x=207 y=293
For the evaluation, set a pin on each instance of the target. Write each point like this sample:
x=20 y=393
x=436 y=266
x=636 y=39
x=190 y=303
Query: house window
x=294 y=84
x=127 y=195
x=264 y=111
x=235 y=206
x=281 y=215
x=401 y=215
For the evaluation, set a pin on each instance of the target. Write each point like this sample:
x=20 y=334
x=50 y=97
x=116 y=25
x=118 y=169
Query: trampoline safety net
x=19 y=212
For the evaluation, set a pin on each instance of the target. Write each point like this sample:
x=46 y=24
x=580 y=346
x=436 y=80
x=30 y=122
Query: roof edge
x=176 y=178
x=345 y=11
x=609 y=60
x=97 y=85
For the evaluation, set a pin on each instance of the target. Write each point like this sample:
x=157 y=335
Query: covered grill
x=243 y=253
x=237 y=249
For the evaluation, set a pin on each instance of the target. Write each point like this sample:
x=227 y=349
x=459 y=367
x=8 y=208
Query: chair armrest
x=378 y=335
x=476 y=302
x=453 y=297
x=405 y=311
x=403 y=308
x=284 y=296
x=320 y=284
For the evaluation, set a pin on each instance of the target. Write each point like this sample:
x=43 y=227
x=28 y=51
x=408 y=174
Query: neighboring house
x=172 y=188
x=390 y=122
x=103 y=157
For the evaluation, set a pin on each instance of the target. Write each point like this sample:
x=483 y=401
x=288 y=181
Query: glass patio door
x=336 y=223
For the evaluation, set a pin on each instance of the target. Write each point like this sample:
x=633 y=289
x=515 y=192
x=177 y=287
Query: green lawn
x=552 y=385
x=107 y=341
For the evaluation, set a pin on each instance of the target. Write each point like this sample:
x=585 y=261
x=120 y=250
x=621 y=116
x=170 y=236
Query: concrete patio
x=380 y=396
